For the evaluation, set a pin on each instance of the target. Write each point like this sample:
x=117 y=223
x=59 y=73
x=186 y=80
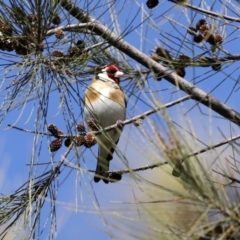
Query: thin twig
x=226 y=176
x=29 y=131
x=126 y=122
x=157 y=201
x=207 y=12
x=143 y=115
x=124 y=171
x=15 y=205
x=70 y=27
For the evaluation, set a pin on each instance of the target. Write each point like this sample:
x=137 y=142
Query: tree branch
x=71 y=27
x=207 y=12
x=226 y=176
x=126 y=122
x=151 y=166
x=117 y=41
x=191 y=63
x=142 y=115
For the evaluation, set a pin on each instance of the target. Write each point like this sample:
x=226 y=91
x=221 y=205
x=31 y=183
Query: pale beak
x=118 y=74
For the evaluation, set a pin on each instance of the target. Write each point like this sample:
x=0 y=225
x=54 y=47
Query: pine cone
x=180 y=72
x=5 y=29
x=79 y=140
x=164 y=53
x=57 y=53
x=10 y=44
x=67 y=142
x=56 y=20
x=155 y=58
x=55 y=145
x=218 y=38
x=200 y=24
x=54 y=130
x=152 y=3
x=80 y=127
x=204 y=28
x=19 y=13
x=59 y=34
x=90 y=140
x=216 y=67
x=21 y=50
x=80 y=45
x=198 y=38
x=22 y=46
x=32 y=18
x=184 y=57
x=7 y=44
x=74 y=51
x=208 y=36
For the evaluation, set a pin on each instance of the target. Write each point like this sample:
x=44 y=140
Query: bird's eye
x=111 y=71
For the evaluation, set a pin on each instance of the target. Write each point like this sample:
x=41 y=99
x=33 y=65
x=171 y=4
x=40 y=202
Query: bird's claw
x=93 y=124
x=119 y=124
x=114 y=177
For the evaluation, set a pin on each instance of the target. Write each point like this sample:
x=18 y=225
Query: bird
x=105 y=103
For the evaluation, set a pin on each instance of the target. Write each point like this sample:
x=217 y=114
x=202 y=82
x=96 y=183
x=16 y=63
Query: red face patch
x=111 y=70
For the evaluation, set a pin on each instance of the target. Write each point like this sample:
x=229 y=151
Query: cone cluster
x=83 y=139
x=202 y=32
x=163 y=55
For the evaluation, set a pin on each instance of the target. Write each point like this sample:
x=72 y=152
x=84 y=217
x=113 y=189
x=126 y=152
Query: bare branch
x=72 y=27
x=207 y=12
x=226 y=176
x=143 y=115
x=126 y=122
x=151 y=166
x=117 y=41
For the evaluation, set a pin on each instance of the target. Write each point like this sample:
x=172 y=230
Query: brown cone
x=55 y=145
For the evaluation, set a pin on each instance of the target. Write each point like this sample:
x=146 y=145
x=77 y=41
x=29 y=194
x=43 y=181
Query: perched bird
x=105 y=103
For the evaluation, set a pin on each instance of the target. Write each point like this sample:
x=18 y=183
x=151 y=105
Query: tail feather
x=105 y=155
x=102 y=167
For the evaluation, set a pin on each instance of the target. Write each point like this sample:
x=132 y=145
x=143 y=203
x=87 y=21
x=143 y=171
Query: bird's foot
x=119 y=124
x=93 y=124
x=114 y=177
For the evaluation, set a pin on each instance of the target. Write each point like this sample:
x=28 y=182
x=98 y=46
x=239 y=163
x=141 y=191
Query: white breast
x=106 y=111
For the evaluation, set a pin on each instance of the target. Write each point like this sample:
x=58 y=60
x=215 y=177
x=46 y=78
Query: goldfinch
x=105 y=103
